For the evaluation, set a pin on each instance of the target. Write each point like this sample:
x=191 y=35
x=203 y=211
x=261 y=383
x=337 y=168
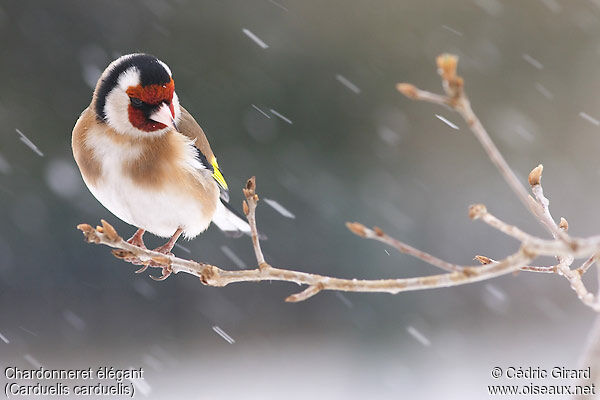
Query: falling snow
x=144 y=288
x=255 y=38
x=589 y=118
x=452 y=30
x=545 y=92
x=495 y=298
x=152 y=362
x=141 y=385
x=29 y=143
x=28 y=331
x=233 y=257
x=344 y=299
x=283 y=117
x=74 y=320
x=279 y=5
x=261 y=111
x=524 y=133
x=346 y=82
x=279 y=208
x=533 y=61
x=389 y=136
x=4 y=339
x=31 y=360
x=444 y=120
x=418 y=335
x=494 y=291
x=223 y=334
x=182 y=247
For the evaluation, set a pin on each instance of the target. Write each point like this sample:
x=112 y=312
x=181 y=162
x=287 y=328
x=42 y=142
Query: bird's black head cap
x=151 y=71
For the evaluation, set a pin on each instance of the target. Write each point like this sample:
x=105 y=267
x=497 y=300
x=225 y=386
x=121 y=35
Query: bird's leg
x=166 y=249
x=137 y=239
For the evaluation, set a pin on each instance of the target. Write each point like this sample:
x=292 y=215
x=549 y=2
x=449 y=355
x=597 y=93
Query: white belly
x=158 y=211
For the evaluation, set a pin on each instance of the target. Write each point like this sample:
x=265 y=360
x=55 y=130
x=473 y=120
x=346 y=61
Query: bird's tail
x=229 y=220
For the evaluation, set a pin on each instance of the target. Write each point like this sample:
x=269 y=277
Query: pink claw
x=166 y=272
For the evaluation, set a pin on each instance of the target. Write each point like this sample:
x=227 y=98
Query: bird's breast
x=156 y=184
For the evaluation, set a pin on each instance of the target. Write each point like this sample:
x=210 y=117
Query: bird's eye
x=136 y=102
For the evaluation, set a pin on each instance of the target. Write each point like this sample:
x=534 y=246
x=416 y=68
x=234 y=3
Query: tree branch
x=214 y=276
x=564 y=247
x=456 y=99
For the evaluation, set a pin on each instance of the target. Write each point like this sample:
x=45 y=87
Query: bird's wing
x=226 y=218
x=188 y=126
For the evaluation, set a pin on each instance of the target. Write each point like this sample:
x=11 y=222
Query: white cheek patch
x=116 y=108
x=116 y=111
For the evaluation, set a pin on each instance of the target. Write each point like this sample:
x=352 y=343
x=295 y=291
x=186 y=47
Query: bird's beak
x=164 y=116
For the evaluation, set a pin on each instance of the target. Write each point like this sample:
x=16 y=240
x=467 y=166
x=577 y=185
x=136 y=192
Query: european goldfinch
x=144 y=157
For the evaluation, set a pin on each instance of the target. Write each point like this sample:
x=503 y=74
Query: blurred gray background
x=352 y=148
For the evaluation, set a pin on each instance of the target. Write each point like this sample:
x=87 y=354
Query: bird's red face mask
x=151 y=107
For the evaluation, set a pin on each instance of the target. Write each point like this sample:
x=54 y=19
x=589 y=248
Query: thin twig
x=559 y=232
x=379 y=235
x=528 y=268
x=544 y=215
x=479 y=211
x=250 y=211
x=587 y=264
x=457 y=99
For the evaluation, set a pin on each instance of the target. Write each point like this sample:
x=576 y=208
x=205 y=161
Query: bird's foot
x=137 y=261
x=165 y=249
x=166 y=272
x=137 y=239
x=144 y=267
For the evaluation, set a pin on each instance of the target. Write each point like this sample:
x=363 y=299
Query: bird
x=145 y=158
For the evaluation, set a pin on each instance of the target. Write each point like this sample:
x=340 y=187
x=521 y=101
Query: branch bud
x=564 y=225
x=89 y=233
x=407 y=89
x=477 y=211
x=109 y=231
x=378 y=231
x=122 y=254
x=447 y=64
x=357 y=228
x=483 y=260
x=535 y=176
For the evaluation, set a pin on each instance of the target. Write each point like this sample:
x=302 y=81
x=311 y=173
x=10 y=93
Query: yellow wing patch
x=217 y=174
